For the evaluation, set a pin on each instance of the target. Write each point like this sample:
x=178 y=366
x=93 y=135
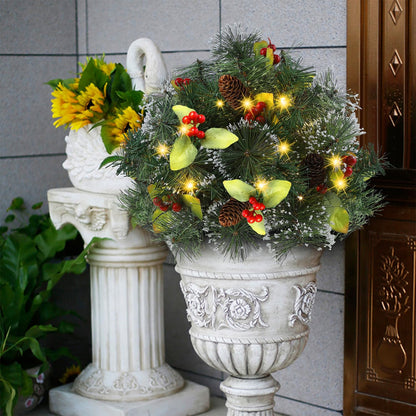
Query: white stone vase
x=249 y=318
x=85 y=152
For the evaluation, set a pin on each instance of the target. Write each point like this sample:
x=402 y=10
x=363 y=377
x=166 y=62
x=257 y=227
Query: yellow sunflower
x=70 y=374
x=106 y=68
x=64 y=106
x=126 y=120
x=90 y=101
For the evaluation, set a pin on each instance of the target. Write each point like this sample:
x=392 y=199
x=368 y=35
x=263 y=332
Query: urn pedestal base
x=250 y=396
x=193 y=399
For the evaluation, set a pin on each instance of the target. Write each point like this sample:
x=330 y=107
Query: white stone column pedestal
x=128 y=348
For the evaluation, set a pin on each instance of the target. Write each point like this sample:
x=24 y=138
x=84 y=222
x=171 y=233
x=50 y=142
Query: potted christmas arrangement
x=33 y=259
x=99 y=106
x=248 y=166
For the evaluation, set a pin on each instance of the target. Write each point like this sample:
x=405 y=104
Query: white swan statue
x=155 y=73
x=85 y=149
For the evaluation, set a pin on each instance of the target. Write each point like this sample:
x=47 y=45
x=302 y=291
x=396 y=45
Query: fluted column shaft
x=128 y=346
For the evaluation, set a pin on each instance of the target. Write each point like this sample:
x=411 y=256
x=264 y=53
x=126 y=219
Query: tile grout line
x=31 y=156
x=165 y=52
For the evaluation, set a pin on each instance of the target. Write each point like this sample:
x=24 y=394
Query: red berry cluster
x=181 y=82
x=164 y=206
x=194 y=118
x=350 y=161
x=251 y=214
x=322 y=189
x=276 y=57
x=254 y=113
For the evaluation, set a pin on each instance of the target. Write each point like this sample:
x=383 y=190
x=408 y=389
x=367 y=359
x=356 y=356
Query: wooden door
x=380 y=296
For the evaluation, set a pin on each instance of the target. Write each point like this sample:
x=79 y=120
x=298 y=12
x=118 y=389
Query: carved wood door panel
x=380 y=309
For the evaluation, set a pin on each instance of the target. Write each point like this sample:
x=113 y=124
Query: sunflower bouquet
x=101 y=95
x=250 y=146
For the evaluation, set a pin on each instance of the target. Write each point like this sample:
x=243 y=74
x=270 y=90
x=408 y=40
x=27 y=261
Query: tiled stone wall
x=44 y=39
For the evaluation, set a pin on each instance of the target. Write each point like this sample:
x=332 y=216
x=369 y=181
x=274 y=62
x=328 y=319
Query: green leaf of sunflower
x=217 y=138
x=92 y=75
x=108 y=139
x=239 y=189
x=194 y=204
x=275 y=192
x=183 y=153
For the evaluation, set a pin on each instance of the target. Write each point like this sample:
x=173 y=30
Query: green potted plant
x=248 y=167
x=98 y=106
x=32 y=261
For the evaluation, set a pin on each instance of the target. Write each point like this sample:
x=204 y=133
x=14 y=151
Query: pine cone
x=230 y=213
x=315 y=169
x=233 y=90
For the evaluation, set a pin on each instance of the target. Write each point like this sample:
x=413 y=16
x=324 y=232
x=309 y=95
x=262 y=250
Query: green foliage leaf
x=109 y=143
x=269 y=57
x=110 y=160
x=275 y=192
x=37 y=205
x=218 y=138
x=131 y=98
x=12 y=373
x=27 y=385
x=10 y=218
x=258 y=227
x=183 y=153
x=120 y=82
x=65 y=82
x=339 y=220
x=51 y=240
x=161 y=220
x=194 y=204
x=94 y=75
x=181 y=111
x=239 y=189
x=16 y=204
x=258 y=46
x=338 y=216
x=7 y=395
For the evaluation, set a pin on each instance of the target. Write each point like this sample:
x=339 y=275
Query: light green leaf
x=239 y=189
x=217 y=138
x=269 y=57
x=194 y=204
x=181 y=111
x=183 y=153
x=258 y=46
x=275 y=192
x=258 y=227
x=161 y=220
x=152 y=191
x=331 y=201
x=339 y=220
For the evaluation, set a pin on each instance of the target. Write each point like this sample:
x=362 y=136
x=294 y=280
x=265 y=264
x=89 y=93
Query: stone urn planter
x=249 y=318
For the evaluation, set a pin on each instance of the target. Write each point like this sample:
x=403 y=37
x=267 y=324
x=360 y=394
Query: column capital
x=96 y=215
